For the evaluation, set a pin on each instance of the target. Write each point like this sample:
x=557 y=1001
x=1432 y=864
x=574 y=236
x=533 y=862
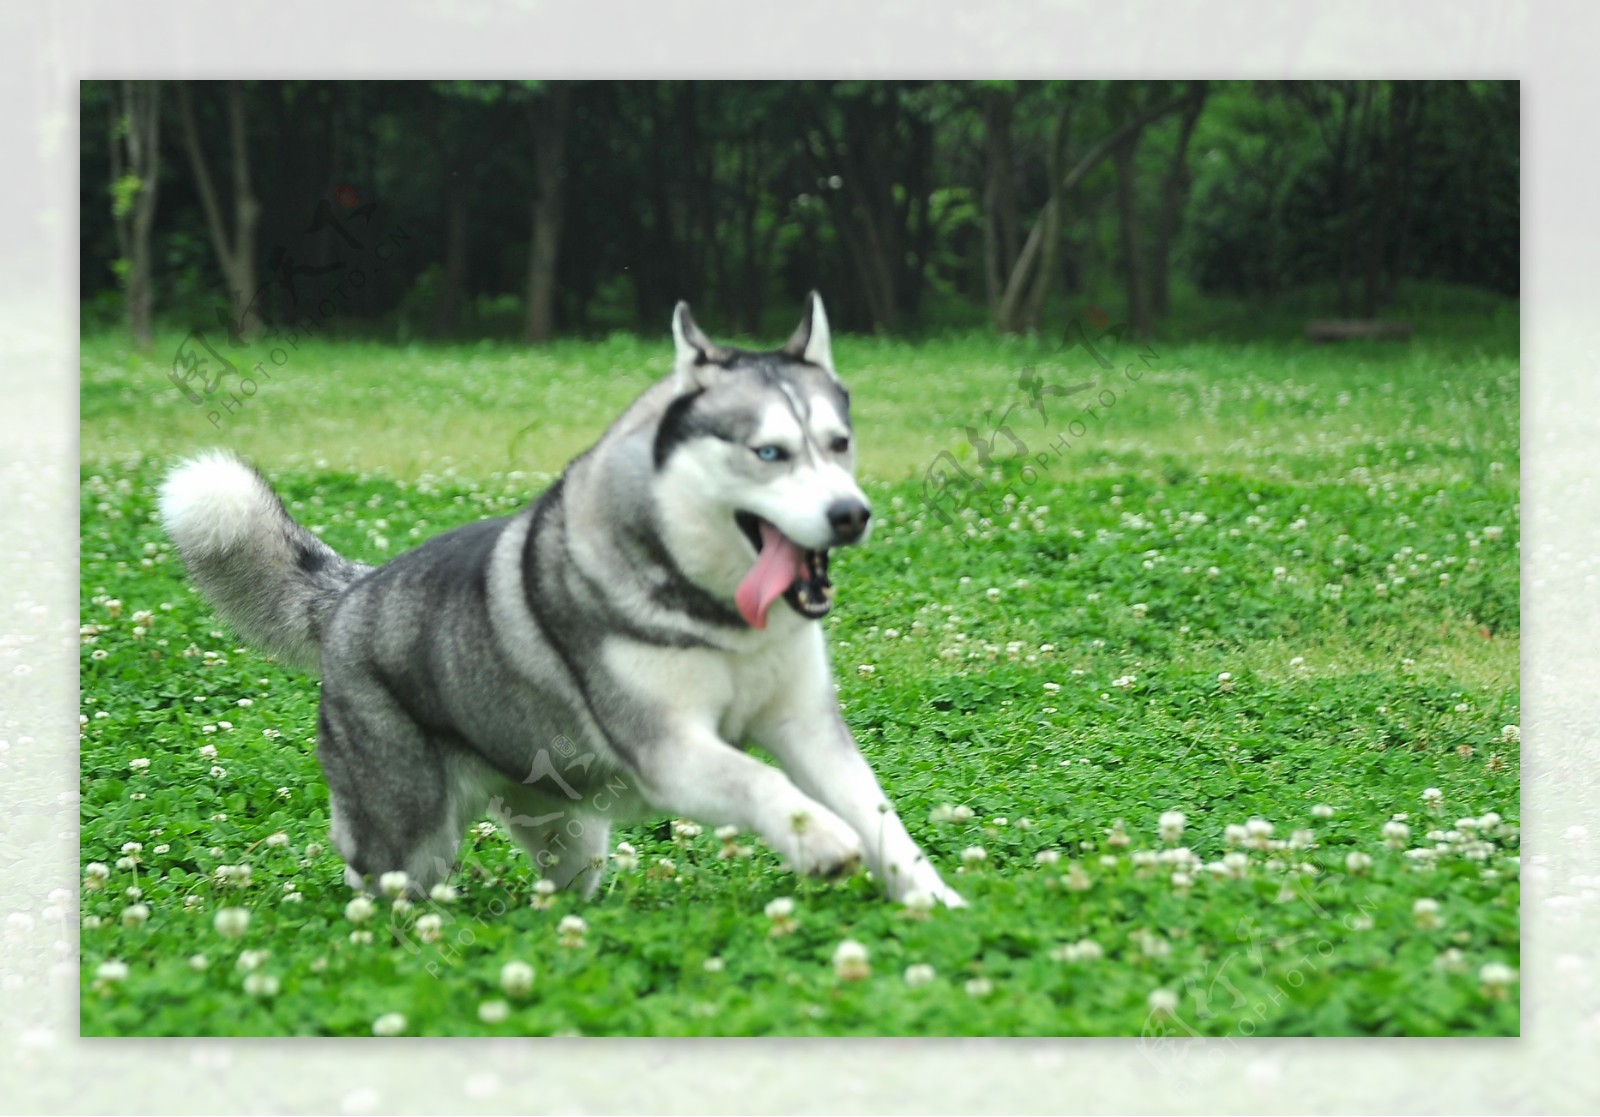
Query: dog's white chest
x=730 y=692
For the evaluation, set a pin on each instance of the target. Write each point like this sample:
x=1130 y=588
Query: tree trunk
x=1052 y=220
x=1000 y=224
x=1138 y=308
x=1174 y=195
x=1412 y=124
x=135 y=182
x=549 y=121
x=1007 y=316
x=447 y=311
x=236 y=250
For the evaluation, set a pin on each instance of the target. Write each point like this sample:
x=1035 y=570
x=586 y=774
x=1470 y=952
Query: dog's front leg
x=817 y=749
x=693 y=773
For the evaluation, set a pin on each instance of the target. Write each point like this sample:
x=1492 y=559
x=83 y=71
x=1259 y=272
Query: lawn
x=1269 y=586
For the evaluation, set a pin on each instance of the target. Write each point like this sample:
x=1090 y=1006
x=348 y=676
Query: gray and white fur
x=592 y=657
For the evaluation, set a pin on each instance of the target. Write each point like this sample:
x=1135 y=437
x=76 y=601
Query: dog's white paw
x=821 y=844
x=922 y=884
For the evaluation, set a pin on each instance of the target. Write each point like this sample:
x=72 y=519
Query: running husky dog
x=601 y=654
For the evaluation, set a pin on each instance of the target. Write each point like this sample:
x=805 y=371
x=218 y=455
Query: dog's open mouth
x=783 y=570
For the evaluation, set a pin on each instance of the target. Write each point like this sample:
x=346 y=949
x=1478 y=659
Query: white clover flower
x=231 y=923
x=442 y=893
x=1396 y=834
x=1302 y=839
x=850 y=961
x=1322 y=810
x=918 y=902
x=571 y=931
x=95 y=874
x=260 y=985
x=1075 y=879
x=683 y=828
x=389 y=1024
x=781 y=912
x=1451 y=960
x=919 y=973
x=1496 y=977
x=713 y=964
x=1357 y=863
x=961 y=814
x=1234 y=834
x=278 y=839
x=626 y=858
x=979 y=987
x=1425 y=913
x=493 y=1012
x=139 y=763
x=208 y=752
x=1139 y=608
x=1432 y=796
x=1047 y=857
x=360 y=909
x=1236 y=864
x=1124 y=682
x=1170 y=826
x=1162 y=1002
x=198 y=962
x=135 y=915
x=973 y=856
x=1511 y=733
x=251 y=959
x=111 y=972
x=725 y=833
x=393 y=883
x=516 y=978
x=1182 y=880
x=361 y=938
x=430 y=926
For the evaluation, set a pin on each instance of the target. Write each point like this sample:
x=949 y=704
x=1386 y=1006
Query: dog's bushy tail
x=271 y=579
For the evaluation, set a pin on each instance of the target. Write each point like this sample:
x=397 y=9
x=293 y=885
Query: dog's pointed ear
x=812 y=342
x=696 y=353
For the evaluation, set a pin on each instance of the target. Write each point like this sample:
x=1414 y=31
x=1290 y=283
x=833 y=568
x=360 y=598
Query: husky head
x=755 y=467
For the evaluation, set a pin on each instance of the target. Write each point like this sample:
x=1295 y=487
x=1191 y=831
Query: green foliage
x=742 y=196
x=124 y=192
x=1181 y=612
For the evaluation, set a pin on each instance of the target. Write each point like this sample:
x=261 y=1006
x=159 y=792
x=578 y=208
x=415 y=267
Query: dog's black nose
x=848 y=519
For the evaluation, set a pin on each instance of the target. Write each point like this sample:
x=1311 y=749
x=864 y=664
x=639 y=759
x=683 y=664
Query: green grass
x=1178 y=612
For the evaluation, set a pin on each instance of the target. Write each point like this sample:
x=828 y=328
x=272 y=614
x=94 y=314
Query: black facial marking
x=677 y=427
x=310 y=559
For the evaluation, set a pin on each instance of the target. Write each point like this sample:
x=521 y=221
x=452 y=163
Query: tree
x=1174 y=197
x=1008 y=315
x=235 y=248
x=135 y=146
x=547 y=123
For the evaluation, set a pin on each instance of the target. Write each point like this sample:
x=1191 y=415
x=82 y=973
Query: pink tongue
x=772 y=575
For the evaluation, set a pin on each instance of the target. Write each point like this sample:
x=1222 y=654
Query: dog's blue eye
x=771 y=453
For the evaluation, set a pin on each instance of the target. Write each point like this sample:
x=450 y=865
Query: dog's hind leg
x=396 y=805
x=568 y=849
